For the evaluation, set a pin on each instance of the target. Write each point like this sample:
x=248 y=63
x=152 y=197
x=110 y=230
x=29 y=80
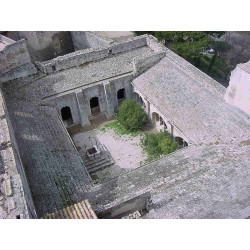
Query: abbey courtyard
x=61 y=155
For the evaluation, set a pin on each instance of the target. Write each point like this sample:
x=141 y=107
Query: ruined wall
x=88 y=55
x=86 y=39
x=15 y=61
x=238 y=91
x=45 y=45
x=15 y=197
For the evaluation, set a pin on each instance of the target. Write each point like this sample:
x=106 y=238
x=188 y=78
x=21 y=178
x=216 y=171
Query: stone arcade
x=84 y=75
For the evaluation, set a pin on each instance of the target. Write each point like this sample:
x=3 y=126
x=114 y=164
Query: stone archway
x=182 y=143
x=121 y=94
x=66 y=115
x=94 y=106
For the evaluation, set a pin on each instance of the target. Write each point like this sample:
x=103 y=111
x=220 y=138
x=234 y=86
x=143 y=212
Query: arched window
x=182 y=143
x=94 y=105
x=121 y=94
x=66 y=113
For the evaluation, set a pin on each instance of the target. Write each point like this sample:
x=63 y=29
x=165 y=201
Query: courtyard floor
x=125 y=149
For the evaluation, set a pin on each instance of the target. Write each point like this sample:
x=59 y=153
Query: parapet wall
x=15 y=196
x=89 y=55
x=142 y=64
x=15 y=61
x=6 y=40
x=85 y=40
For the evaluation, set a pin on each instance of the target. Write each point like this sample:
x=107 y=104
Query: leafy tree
x=131 y=115
x=191 y=51
x=217 y=34
x=159 y=144
x=218 y=47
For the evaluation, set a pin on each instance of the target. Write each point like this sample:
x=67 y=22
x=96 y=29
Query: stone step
x=88 y=162
x=97 y=163
x=92 y=166
x=94 y=169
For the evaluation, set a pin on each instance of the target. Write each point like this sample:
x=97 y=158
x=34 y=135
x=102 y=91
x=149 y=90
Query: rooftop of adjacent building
x=245 y=66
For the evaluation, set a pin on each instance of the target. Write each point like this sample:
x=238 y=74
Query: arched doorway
x=94 y=105
x=182 y=143
x=121 y=95
x=66 y=115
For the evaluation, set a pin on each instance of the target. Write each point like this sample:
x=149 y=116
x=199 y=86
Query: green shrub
x=131 y=115
x=159 y=144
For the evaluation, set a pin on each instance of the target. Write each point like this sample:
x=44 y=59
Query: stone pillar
x=110 y=111
x=84 y=108
x=148 y=107
x=129 y=92
x=172 y=131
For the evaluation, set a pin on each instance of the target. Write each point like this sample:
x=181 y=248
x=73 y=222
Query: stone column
x=148 y=107
x=129 y=92
x=109 y=99
x=84 y=108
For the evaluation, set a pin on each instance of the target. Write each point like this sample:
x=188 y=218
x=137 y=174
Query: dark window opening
x=18 y=216
x=121 y=94
x=66 y=113
x=94 y=105
x=161 y=121
x=54 y=68
x=182 y=143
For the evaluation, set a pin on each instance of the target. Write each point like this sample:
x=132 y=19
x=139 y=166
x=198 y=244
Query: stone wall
x=145 y=63
x=238 y=91
x=124 y=207
x=88 y=55
x=151 y=109
x=6 y=40
x=45 y=45
x=79 y=100
x=15 y=61
x=15 y=197
x=85 y=39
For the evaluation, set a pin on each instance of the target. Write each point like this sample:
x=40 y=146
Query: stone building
x=207 y=178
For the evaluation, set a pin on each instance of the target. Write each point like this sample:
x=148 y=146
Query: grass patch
x=159 y=144
x=119 y=129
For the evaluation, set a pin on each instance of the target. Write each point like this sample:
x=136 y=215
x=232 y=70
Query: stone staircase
x=104 y=160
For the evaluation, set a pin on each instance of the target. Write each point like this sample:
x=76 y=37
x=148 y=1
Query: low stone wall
x=15 y=61
x=127 y=206
x=15 y=197
x=6 y=40
x=88 y=55
x=86 y=39
x=144 y=63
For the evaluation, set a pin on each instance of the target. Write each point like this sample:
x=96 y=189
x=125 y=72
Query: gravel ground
x=125 y=149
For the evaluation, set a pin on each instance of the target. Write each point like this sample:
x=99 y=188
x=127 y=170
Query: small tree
x=131 y=115
x=159 y=144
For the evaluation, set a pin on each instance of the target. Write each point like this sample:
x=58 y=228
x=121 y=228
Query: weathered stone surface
x=12 y=201
x=238 y=91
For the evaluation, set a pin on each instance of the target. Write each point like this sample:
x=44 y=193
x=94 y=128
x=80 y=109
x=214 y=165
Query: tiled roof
x=81 y=210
